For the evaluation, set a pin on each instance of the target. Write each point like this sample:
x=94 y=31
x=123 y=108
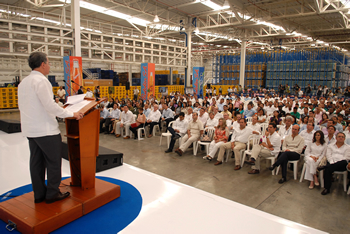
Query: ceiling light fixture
x=156 y=19
x=196 y=30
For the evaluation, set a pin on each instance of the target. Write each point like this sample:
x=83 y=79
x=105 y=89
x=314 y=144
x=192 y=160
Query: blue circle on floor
x=110 y=218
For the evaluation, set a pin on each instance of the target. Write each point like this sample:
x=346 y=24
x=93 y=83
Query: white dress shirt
x=307 y=136
x=89 y=94
x=154 y=116
x=115 y=114
x=61 y=93
x=181 y=126
x=269 y=110
x=127 y=118
x=335 y=154
x=203 y=118
x=37 y=107
x=212 y=123
x=275 y=140
x=285 y=132
x=188 y=117
x=218 y=116
x=256 y=127
x=241 y=135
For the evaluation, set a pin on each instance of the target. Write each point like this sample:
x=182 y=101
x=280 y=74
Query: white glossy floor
x=168 y=206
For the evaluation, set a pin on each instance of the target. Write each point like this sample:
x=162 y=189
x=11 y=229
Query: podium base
x=44 y=218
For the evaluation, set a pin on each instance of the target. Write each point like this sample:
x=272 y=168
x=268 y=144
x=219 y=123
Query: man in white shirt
x=60 y=104
x=217 y=114
x=255 y=125
x=146 y=110
x=112 y=117
x=338 y=156
x=167 y=116
x=269 y=147
x=308 y=133
x=39 y=125
x=61 y=93
x=188 y=116
x=286 y=130
x=153 y=119
x=136 y=93
x=89 y=93
x=211 y=121
x=126 y=119
x=238 y=142
x=269 y=109
x=194 y=131
x=203 y=116
x=103 y=116
x=177 y=131
x=220 y=105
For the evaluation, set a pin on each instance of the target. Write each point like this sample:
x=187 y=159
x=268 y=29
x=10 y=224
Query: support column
x=189 y=65
x=242 y=67
x=130 y=74
x=171 y=76
x=75 y=16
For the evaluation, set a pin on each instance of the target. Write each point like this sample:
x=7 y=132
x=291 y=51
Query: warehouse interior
x=253 y=43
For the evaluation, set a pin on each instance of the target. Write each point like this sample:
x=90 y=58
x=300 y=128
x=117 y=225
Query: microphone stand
x=69 y=86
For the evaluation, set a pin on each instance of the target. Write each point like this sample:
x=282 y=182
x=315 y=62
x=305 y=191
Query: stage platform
x=168 y=206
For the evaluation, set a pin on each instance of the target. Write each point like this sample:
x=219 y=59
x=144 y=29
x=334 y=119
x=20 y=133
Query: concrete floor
x=291 y=200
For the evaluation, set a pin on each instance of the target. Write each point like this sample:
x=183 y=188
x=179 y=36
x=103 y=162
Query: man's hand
x=163 y=119
x=287 y=150
x=149 y=121
x=349 y=166
x=121 y=125
x=176 y=130
x=232 y=145
x=314 y=158
x=78 y=115
x=189 y=136
x=267 y=133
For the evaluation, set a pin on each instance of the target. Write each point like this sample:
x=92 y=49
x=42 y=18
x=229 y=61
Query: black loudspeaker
x=106 y=159
x=10 y=126
x=208 y=86
x=127 y=85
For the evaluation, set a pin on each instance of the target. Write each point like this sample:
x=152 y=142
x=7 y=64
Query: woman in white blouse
x=261 y=116
x=314 y=153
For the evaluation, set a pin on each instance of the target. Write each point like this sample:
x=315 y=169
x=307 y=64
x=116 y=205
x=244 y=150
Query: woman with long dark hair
x=314 y=153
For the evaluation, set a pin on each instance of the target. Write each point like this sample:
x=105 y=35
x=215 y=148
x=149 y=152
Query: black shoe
x=272 y=168
x=325 y=192
x=281 y=181
x=60 y=196
x=251 y=161
x=168 y=151
x=39 y=200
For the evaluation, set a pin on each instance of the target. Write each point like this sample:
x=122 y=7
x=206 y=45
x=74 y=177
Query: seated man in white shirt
x=178 y=130
x=167 y=116
x=60 y=104
x=255 y=125
x=211 y=121
x=308 y=134
x=194 y=131
x=269 y=147
x=286 y=130
x=217 y=114
x=112 y=117
x=203 y=116
x=126 y=119
x=103 y=116
x=238 y=142
x=153 y=119
x=338 y=157
x=146 y=110
x=188 y=116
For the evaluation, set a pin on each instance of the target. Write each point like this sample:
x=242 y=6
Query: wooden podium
x=87 y=192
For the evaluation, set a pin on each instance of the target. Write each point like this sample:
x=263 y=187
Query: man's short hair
x=332 y=127
x=341 y=133
x=182 y=114
x=36 y=59
x=273 y=125
x=195 y=113
x=245 y=121
x=290 y=118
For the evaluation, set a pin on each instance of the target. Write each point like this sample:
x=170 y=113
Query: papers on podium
x=76 y=103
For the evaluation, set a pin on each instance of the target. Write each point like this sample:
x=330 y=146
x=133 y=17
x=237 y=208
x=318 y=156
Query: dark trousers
x=102 y=121
x=45 y=154
x=134 y=130
x=172 y=141
x=151 y=125
x=329 y=169
x=108 y=125
x=62 y=100
x=167 y=121
x=135 y=97
x=283 y=159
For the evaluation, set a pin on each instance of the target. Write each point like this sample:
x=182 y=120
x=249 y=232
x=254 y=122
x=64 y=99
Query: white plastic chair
x=249 y=119
x=248 y=151
x=139 y=132
x=345 y=178
x=166 y=134
x=295 y=168
x=264 y=126
x=210 y=132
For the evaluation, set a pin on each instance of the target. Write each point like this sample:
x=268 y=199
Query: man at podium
x=38 y=121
